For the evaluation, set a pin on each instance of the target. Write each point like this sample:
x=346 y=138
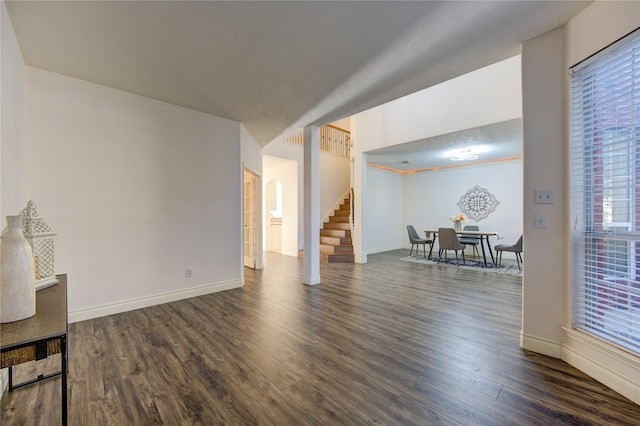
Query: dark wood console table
x=36 y=338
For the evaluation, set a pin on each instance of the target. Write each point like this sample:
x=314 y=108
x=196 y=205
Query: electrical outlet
x=189 y=272
x=543 y=196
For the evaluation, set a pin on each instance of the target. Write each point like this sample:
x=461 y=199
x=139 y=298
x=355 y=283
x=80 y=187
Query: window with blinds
x=605 y=193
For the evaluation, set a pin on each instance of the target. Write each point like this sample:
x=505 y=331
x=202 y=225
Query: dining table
x=483 y=236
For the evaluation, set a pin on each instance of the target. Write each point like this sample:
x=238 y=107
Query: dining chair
x=448 y=240
x=514 y=248
x=415 y=240
x=470 y=240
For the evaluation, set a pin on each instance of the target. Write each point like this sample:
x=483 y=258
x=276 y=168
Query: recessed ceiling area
x=491 y=143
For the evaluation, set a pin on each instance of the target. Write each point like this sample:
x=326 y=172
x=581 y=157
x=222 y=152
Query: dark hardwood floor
x=389 y=342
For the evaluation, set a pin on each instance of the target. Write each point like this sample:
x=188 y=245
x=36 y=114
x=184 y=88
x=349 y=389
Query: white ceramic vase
x=17 y=280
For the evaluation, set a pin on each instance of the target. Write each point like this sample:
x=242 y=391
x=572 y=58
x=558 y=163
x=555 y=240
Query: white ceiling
x=276 y=66
x=497 y=142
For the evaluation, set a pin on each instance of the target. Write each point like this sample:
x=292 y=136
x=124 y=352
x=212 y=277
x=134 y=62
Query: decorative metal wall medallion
x=478 y=203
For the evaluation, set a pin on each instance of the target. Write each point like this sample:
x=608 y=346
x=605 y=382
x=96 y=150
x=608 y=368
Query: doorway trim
x=251 y=220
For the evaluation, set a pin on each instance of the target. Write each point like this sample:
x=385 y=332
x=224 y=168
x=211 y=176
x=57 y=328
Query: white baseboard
x=157 y=299
x=608 y=364
x=383 y=249
x=311 y=279
x=289 y=253
x=539 y=345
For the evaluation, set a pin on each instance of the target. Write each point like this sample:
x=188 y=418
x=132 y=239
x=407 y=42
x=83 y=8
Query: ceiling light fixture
x=465 y=154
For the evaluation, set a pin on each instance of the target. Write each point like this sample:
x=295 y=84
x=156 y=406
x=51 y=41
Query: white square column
x=311 y=271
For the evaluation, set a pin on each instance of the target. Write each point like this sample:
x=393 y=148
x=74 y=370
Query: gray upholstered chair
x=471 y=240
x=415 y=240
x=448 y=240
x=514 y=248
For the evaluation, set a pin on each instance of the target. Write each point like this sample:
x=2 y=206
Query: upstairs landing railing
x=332 y=139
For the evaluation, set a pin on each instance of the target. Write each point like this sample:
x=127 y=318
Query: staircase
x=335 y=236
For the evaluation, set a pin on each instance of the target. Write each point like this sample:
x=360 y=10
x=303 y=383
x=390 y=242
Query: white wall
x=427 y=200
x=292 y=152
x=334 y=181
x=13 y=167
x=544 y=160
x=251 y=151
x=489 y=95
x=384 y=209
x=137 y=190
x=430 y=198
x=13 y=162
x=547 y=285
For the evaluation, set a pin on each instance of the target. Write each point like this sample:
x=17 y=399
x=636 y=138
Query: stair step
x=326 y=249
x=343 y=249
x=337 y=258
x=344 y=226
x=339 y=219
x=330 y=241
x=340 y=258
x=329 y=249
x=335 y=241
x=340 y=233
x=336 y=245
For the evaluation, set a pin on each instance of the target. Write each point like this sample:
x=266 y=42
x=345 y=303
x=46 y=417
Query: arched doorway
x=273 y=210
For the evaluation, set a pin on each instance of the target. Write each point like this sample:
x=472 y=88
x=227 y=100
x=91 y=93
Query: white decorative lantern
x=40 y=236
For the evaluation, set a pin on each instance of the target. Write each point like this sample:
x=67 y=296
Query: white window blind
x=605 y=194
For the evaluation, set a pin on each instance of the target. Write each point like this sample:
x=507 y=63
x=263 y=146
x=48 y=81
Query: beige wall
x=13 y=161
x=13 y=168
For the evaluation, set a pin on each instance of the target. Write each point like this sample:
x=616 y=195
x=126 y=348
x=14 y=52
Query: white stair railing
x=332 y=139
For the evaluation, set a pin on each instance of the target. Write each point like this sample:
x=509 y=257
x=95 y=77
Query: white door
x=250 y=240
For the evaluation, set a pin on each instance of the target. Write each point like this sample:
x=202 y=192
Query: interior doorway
x=250 y=217
x=273 y=207
x=280 y=205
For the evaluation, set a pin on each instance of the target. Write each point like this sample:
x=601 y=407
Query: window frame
x=607 y=306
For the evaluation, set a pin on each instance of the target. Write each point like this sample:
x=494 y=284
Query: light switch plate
x=543 y=196
x=540 y=220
